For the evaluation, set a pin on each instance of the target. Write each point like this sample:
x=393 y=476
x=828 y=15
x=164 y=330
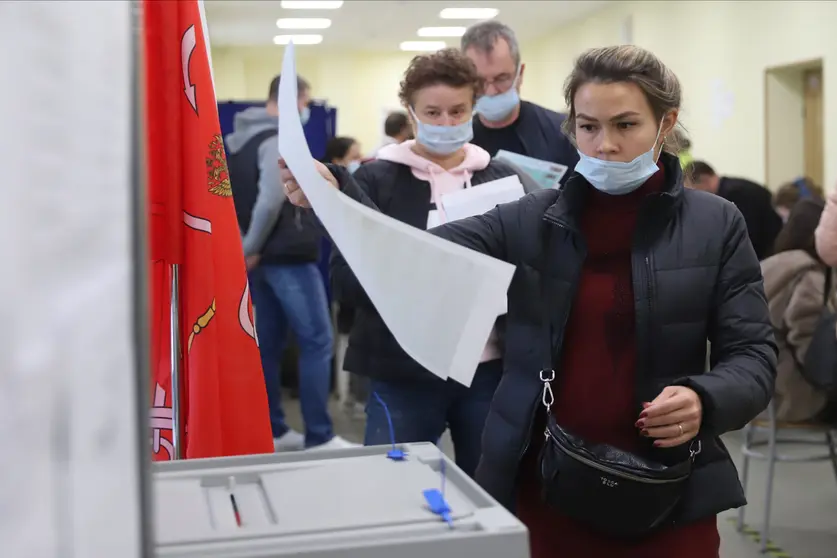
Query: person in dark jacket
x=754 y=201
x=286 y=286
x=622 y=277
x=504 y=121
x=406 y=182
x=343 y=151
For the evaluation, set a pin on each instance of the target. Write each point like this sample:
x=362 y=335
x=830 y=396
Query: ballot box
x=347 y=503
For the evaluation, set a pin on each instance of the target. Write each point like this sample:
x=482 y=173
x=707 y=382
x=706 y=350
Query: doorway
x=794 y=123
x=813 y=125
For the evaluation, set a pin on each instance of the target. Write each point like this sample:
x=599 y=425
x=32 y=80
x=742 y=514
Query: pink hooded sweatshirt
x=442 y=182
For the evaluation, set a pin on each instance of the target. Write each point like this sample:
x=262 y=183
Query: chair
x=772 y=428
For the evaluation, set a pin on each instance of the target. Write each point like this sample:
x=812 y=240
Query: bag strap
x=547 y=372
x=826 y=296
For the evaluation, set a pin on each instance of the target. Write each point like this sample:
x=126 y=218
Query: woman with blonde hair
x=604 y=432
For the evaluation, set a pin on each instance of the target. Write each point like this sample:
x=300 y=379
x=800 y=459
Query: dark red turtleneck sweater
x=595 y=389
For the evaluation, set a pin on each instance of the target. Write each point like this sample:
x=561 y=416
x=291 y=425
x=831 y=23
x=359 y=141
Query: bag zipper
x=608 y=470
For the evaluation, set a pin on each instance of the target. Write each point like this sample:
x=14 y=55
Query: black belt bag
x=611 y=490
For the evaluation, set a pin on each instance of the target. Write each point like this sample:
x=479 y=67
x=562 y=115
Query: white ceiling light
x=303 y=23
x=468 y=13
x=298 y=39
x=422 y=46
x=312 y=5
x=441 y=31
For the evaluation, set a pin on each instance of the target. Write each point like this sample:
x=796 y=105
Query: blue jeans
x=422 y=410
x=294 y=296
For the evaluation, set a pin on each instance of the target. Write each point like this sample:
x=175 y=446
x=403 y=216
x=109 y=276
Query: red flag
x=193 y=224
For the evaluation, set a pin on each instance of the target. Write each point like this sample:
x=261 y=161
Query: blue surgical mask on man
x=497 y=107
x=618 y=178
x=304 y=115
x=443 y=140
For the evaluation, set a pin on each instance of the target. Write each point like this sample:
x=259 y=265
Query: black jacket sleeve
x=741 y=380
x=483 y=233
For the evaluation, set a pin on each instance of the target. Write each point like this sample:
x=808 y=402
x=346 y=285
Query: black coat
x=696 y=277
x=394 y=190
x=755 y=202
x=540 y=133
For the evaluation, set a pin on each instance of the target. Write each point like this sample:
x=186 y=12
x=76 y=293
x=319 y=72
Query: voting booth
x=348 y=503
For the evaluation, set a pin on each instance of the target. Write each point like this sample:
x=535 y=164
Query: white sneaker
x=336 y=443
x=289 y=441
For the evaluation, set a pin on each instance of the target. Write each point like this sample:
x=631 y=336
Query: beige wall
x=720 y=51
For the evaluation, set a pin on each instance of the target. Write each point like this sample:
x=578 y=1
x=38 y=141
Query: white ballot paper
x=476 y=201
x=547 y=175
x=439 y=300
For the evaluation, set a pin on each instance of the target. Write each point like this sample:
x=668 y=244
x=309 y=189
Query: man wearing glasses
x=505 y=122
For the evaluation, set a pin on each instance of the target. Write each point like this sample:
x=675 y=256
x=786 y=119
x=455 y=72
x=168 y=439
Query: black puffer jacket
x=696 y=277
x=394 y=190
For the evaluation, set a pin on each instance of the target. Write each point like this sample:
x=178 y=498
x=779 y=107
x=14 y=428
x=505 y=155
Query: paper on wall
x=547 y=174
x=476 y=201
x=439 y=300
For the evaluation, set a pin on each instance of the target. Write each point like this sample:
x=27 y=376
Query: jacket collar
x=570 y=202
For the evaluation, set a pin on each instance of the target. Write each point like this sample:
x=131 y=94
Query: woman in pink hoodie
x=407 y=182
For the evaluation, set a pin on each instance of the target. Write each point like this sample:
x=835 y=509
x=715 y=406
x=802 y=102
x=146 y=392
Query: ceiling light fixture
x=468 y=13
x=312 y=5
x=441 y=31
x=298 y=39
x=303 y=23
x=422 y=46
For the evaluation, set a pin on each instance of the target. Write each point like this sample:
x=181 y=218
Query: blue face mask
x=353 y=166
x=304 y=115
x=443 y=140
x=615 y=177
x=497 y=107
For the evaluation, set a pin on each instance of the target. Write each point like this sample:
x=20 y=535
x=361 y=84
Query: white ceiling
x=380 y=25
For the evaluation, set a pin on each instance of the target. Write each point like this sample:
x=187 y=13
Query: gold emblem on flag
x=218 y=175
x=200 y=324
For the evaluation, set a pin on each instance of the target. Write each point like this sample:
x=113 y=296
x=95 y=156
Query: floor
x=804 y=523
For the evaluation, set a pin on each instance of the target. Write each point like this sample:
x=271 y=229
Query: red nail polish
x=643 y=415
x=657 y=444
x=646 y=404
x=640 y=423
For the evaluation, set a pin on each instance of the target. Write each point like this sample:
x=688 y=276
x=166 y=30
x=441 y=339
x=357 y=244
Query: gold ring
x=680 y=426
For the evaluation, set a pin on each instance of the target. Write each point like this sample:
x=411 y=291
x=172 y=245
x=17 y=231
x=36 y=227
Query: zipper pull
x=546 y=433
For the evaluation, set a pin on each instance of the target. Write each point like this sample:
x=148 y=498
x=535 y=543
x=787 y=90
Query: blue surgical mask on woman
x=618 y=178
x=304 y=115
x=443 y=140
x=353 y=166
x=497 y=107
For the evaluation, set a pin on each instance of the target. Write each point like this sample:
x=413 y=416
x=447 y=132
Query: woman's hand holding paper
x=292 y=189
